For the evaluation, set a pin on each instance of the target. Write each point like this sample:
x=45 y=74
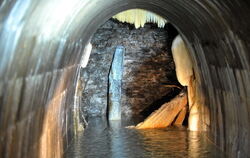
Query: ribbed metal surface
x=41 y=44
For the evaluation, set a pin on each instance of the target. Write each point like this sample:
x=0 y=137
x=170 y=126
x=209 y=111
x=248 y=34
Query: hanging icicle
x=139 y=17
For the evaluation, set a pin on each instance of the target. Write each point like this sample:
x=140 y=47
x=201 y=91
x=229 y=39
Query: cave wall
x=148 y=65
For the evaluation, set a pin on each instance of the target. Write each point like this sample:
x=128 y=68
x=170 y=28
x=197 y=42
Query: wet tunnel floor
x=113 y=140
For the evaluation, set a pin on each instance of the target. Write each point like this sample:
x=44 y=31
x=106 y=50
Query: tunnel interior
x=148 y=82
x=44 y=43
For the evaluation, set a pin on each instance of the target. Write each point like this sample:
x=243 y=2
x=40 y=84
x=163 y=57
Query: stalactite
x=139 y=17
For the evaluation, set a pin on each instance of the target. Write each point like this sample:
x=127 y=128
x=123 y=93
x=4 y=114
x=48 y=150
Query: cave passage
x=145 y=78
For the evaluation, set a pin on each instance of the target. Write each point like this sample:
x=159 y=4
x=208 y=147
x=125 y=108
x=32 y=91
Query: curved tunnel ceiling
x=42 y=43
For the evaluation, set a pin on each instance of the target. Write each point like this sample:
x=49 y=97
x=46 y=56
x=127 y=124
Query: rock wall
x=147 y=66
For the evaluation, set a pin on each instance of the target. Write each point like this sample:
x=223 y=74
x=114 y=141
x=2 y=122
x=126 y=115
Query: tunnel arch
x=200 y=34
x=215 y=32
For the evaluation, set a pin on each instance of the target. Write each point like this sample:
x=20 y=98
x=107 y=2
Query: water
x=113 y=140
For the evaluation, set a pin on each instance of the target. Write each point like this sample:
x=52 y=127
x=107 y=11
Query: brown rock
x=181 y=116
x=165 y=116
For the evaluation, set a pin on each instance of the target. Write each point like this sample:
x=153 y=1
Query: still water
x=112 y=140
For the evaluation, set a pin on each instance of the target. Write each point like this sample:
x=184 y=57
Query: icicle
x=139 y=17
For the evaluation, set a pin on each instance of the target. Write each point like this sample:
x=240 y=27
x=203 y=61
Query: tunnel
x=43 y=44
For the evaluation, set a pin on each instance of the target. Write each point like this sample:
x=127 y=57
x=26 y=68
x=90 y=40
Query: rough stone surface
x=181 y=116
x=147 y=66
x=165 y=116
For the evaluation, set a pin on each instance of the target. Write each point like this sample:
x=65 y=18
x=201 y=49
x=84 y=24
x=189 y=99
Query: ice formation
x=139 y=17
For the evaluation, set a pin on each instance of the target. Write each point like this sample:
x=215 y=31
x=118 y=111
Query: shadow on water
x=113 y=140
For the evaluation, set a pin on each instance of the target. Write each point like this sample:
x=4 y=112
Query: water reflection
x=113 y=140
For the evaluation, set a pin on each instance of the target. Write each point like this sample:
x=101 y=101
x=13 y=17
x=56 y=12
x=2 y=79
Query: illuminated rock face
x=166 y=114
x=181 y=116
x=148 y=65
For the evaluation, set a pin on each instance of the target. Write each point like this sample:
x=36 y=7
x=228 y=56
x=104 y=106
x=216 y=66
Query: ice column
x=115 y=84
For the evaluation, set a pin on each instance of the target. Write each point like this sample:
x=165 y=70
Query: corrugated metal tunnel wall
x=41 y=44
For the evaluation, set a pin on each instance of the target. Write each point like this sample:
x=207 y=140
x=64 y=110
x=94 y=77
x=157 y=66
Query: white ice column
x=115 y=84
